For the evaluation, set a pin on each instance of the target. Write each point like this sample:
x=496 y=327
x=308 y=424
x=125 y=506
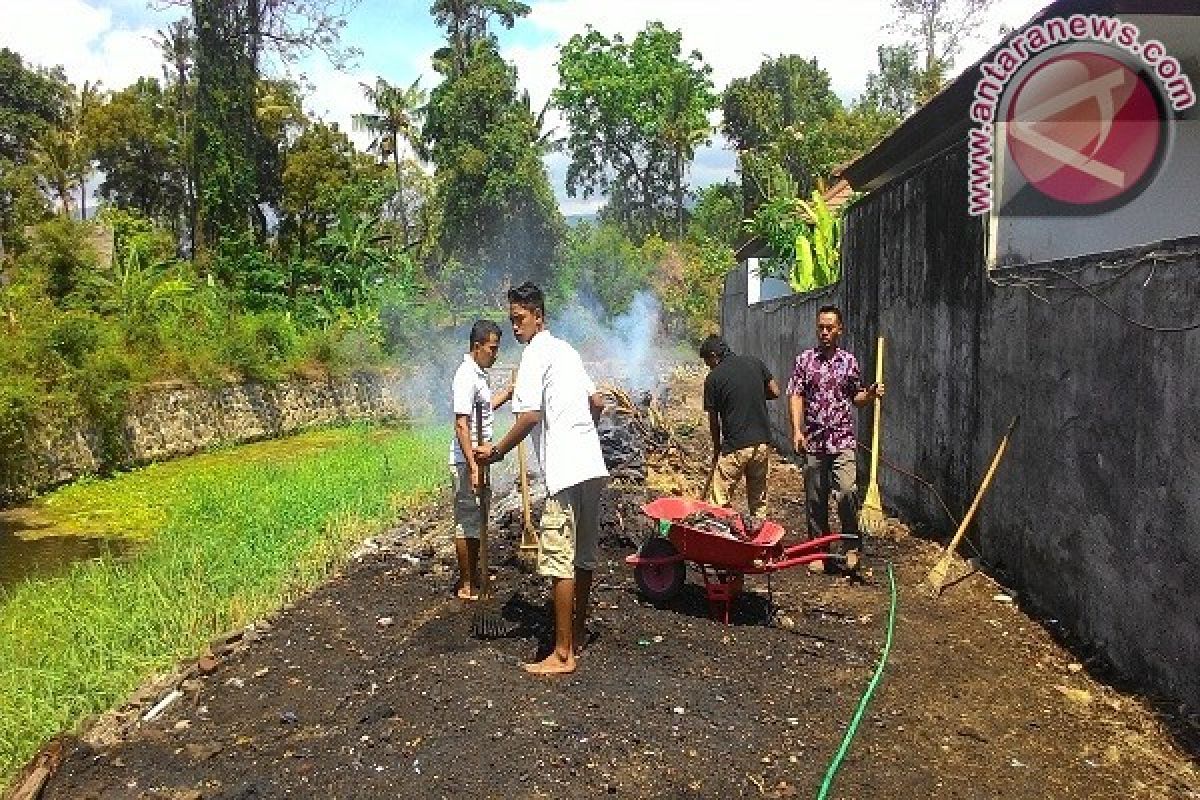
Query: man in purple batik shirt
x=825 y=385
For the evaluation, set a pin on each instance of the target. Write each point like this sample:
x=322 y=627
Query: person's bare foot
x=552 y=664
x=467 y=593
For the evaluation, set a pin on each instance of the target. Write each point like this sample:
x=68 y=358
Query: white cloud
x=88 y=39
x=337 y=97
x=83 y=38
x=734 y=39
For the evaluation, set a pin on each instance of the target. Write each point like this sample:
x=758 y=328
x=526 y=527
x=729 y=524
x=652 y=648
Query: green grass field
x=231 y=538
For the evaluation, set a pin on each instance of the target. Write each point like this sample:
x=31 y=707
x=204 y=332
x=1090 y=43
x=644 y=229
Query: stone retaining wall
x=167 y=421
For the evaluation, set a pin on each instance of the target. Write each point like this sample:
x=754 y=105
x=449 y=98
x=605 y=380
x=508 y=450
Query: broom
x=936 y=579
x=486 y=622
x=529 y=536
x=870 y=516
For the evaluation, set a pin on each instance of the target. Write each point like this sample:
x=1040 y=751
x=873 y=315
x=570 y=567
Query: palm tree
x=685 y=128
x=59 y=161
x=62 y=155
x=396 y=120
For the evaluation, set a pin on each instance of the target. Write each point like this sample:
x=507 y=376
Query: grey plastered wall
x=1095 y=513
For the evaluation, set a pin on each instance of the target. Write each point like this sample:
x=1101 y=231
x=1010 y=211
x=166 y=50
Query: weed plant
x=240 y=539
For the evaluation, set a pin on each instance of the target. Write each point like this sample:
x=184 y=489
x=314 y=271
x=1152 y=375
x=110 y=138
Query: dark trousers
x=831 y=473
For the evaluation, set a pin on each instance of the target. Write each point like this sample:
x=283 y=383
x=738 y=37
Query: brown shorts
x=570 y=528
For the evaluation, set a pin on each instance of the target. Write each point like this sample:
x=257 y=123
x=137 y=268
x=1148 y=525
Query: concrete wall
x=1095 y=513
x=174 y=420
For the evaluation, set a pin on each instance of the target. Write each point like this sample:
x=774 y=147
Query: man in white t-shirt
x=553 y=389
x=470 y=388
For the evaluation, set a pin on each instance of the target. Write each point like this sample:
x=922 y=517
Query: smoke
x=632 y=349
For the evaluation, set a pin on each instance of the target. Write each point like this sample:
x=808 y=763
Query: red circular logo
x=1084 y=128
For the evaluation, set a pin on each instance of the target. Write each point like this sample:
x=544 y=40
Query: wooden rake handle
x=983 y=487
x=523 y=472
x=878 y=415
x=485 y=497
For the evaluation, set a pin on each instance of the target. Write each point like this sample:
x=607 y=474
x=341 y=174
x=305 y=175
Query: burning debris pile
x=641 y=446
x=642 y=450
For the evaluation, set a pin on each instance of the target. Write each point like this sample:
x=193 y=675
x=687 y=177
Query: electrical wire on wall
x=1056 y=285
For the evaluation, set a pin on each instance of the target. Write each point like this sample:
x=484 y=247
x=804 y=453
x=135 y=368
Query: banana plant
x=818 y=246
x=139 y=287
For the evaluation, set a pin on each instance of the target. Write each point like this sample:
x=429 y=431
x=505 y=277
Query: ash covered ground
x=373 y=687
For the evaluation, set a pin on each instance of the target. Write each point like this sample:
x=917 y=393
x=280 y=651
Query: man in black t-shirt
x=736 y=392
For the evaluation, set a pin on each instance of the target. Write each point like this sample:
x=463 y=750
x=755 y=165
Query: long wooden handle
x=485 y=492
x=987 y=480
x=522 y=466
x=878 y=414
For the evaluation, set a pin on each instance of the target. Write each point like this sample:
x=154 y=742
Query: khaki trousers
x=754 y=463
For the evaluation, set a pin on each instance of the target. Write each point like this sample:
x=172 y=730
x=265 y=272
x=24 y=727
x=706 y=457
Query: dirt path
x=371 y=687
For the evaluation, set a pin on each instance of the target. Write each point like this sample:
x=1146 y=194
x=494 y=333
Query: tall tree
x=777 y=119
x=225 y=131
x=135 y=140
x=62 y=154
x=32 y=101
x=466 y=23
x=319 y=163
x=232 y=36
x=939 y=28
x=636 y=113
x=394 y=123
x=495 y=209
x=177 y=43
x=894 y=87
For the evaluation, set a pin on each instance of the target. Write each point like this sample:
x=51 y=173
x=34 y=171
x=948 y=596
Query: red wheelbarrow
x=724 y=545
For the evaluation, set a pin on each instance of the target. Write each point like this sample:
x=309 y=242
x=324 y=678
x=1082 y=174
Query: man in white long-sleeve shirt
x=554 y=389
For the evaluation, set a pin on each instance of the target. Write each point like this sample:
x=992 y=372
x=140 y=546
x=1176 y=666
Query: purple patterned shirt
x=827 y=385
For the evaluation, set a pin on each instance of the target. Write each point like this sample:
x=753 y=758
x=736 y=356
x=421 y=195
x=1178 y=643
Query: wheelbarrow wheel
x=659 y=582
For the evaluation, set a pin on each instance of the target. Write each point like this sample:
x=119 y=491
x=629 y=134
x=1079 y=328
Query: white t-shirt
x=551 y=379
x=470 y=387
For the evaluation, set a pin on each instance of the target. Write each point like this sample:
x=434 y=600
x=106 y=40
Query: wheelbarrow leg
x=770 y=601
x=720 y=589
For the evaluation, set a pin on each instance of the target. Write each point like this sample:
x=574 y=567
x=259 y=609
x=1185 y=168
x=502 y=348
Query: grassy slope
x=241 y=538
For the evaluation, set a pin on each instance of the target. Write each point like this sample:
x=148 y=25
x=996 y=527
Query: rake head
x=487 y=623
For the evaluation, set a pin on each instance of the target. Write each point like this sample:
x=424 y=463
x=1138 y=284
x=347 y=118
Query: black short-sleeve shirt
x=736 y=389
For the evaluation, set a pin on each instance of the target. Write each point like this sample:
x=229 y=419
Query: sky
x=113 y=41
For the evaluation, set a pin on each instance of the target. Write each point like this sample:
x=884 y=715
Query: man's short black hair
x=484 y=329
x=837 y=312
x=529 y=296
x=714 y=345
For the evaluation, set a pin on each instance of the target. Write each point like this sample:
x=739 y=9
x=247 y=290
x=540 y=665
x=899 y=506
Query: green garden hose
x=836 y=764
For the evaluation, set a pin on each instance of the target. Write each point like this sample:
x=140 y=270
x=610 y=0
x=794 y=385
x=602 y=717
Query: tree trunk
x=678 y=195
x=401 y=205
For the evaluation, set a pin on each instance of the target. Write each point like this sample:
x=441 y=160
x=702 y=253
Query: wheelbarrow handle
x=805 y=552
x=652 y=561
x=814 y=544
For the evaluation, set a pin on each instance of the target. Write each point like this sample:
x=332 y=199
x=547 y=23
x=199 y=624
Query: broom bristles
x=936 y=579
x=871 y=519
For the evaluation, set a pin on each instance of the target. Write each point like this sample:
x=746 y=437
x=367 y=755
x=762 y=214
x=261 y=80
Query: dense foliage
x=637 y=111
x=240 y=237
